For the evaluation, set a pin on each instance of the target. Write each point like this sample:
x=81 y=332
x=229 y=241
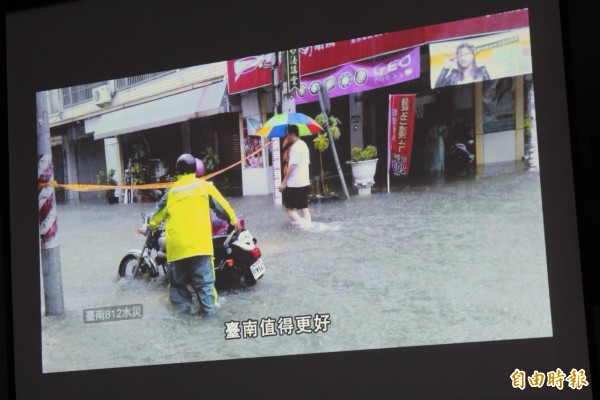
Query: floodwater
x=431 y=264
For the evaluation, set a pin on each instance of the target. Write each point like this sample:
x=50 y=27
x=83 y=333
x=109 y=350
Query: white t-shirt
x=300 y=156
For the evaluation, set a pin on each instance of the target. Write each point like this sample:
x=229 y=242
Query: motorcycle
x=236 y=255
x=460 y=160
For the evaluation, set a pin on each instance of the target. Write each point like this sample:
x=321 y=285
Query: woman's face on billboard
x=465 y=57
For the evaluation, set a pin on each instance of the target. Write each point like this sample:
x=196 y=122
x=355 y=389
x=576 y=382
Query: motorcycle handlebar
x=143 y=229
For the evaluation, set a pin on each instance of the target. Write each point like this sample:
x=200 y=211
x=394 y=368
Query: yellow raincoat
x=187 y=212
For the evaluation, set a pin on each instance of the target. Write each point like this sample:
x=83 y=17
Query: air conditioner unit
x=101 y=95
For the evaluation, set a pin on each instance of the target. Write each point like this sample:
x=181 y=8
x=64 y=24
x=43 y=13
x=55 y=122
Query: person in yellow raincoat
x=186 y=209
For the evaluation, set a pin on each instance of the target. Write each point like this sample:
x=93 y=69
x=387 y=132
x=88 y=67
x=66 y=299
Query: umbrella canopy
x=276 y=126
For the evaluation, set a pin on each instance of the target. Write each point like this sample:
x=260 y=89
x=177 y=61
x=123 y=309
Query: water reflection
x=531 y=158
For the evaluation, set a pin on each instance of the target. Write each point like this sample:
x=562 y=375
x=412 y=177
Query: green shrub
x=360 y=154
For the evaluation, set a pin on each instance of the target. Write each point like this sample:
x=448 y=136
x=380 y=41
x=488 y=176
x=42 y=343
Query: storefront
x=251 y=80
x=487 y=106
x=143 y=141
x=77 y=157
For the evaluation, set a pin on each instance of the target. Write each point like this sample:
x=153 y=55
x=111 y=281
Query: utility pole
x=50 y=252
x=325 y=108
x=276 y=84
x=275 y=144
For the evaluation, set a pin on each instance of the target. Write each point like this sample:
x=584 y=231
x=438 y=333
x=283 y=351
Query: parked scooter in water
x=236 y=255
x=460 y=160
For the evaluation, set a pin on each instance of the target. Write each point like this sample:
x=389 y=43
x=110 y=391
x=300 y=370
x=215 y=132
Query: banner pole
x=389 y=138
x=388 y=181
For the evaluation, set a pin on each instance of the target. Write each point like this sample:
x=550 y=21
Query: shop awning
x=195 y=103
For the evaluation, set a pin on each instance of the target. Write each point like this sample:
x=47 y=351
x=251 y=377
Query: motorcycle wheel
x=248 y=277
x=127 y=265
x=225 y=279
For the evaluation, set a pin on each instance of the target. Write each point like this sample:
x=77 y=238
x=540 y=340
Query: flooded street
x=434 y=264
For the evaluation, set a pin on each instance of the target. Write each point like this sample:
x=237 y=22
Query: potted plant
x=210 y=159
x=212 y=162
x=319 y=190
x=321 y=143
x=108 y=179
x=140 y=174
x=364 y=164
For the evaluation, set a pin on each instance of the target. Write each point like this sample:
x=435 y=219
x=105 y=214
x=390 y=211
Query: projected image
x=480 y=58
x=401 y=213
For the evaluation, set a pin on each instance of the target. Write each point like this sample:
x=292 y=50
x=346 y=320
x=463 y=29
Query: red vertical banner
x=401 y=119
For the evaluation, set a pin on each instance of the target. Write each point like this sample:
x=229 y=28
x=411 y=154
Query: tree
x=321 y=143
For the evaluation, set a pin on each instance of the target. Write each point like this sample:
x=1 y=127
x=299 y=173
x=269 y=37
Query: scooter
x=459 y=160
x=236 y=258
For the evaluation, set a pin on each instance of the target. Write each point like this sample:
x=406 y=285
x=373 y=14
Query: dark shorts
x=295 y=197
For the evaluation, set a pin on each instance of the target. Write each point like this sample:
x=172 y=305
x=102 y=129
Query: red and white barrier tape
x=47 y=203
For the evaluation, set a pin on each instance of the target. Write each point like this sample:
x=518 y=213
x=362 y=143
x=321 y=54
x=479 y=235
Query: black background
x=580 y=35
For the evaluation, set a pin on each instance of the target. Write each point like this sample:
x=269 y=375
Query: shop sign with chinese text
x=400 y=132
x=361 y=76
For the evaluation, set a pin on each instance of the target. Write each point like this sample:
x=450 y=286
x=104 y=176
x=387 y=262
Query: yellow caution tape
x=85 y=187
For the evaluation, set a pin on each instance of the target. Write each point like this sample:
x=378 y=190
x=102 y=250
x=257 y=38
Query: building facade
x=138 y=126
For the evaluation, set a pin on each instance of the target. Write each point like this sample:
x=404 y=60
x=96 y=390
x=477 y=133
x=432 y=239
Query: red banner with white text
x=401 y=121
x=249 y=73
